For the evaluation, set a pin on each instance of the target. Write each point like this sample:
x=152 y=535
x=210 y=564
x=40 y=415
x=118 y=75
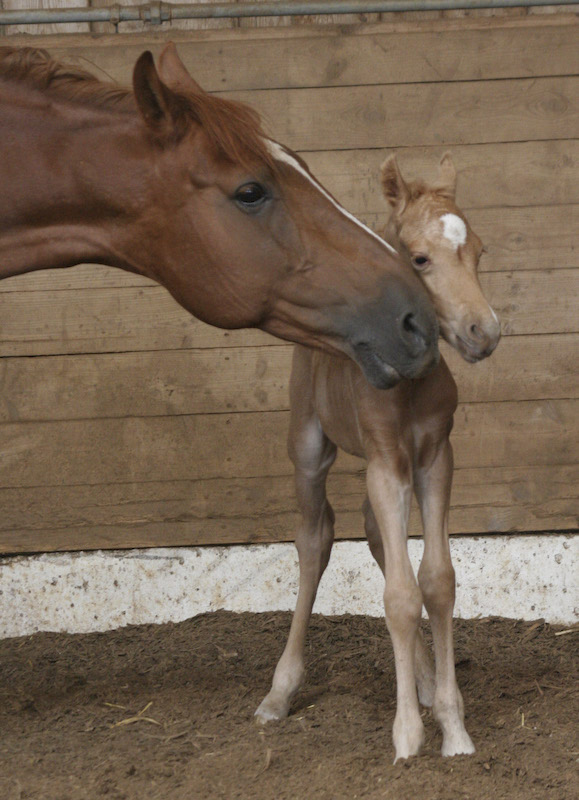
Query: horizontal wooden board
x=239 y=379
x=408 y=115
x=48 y=28
x=345 y=56
x=218 y=380
x=535 y=433
x=246 y=510
x=490 y=176
x=550 y=297
x=82 y=276
x=499 y=434
x=521 y=368
x=147 y=318
x=539 y=237
x=106 y=320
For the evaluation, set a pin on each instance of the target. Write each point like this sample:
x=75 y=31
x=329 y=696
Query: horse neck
x=69 y=174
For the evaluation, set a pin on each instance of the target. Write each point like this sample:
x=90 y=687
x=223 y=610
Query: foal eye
x=250 y=196
x=420 y=261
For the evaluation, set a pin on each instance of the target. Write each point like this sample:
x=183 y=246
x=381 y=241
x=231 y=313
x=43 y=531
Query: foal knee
x=403 y=606
x=437 y=584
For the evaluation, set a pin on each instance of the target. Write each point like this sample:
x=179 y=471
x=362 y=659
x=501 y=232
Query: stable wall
x=125 y=423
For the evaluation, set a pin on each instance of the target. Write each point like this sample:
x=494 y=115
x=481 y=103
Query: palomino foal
x=404 y=435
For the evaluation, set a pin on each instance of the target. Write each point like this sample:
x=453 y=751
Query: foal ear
x=393 y=186
x=447 y=176
x=173 y=71
x=158 y=105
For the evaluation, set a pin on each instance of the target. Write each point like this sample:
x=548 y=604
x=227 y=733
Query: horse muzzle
x=398 y=338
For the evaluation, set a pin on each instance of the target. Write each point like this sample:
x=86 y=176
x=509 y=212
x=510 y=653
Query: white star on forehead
x=454 y=229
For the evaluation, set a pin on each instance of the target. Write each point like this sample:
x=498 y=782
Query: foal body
x=403 y=433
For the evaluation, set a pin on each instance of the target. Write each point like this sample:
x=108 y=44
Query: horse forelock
x=233 y=128
x=420 y=188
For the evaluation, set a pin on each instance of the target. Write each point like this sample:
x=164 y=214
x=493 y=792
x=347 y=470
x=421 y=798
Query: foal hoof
x=271 y=709
x=403 y=752
x=408 y=741
x=458 y=745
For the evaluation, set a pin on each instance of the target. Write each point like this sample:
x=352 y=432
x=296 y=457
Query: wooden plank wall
x=125 y=423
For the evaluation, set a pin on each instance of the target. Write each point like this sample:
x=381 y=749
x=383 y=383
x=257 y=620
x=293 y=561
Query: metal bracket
x=115 y=14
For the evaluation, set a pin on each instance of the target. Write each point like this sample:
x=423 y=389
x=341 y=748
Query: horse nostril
x=409 y=324
x=415 y=332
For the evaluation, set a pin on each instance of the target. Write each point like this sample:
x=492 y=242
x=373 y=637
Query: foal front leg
x=423 y=664
x=437 y=582
x=313 y=455
x=390 y=490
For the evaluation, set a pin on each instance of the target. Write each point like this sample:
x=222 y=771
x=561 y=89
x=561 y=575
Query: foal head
x=444 y=251
x=245 y=236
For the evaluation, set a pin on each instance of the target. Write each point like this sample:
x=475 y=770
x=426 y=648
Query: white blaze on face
x=454 y=229
x=280 y=154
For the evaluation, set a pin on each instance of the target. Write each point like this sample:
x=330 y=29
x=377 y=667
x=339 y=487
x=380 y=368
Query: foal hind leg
x=437 y=582
x=313 y=455
x=423 y=664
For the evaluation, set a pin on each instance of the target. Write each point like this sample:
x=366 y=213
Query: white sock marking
x=280 y=154
x=454 y=229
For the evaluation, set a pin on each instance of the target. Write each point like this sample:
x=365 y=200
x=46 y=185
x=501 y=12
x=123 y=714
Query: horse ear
x=156 y=102
x=447 y=176
x=393 y=186
x=173 y=71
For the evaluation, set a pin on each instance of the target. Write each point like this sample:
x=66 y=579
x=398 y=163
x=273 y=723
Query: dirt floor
x=165 y=712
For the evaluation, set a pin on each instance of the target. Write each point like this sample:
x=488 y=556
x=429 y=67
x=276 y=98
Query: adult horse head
x=184 y=187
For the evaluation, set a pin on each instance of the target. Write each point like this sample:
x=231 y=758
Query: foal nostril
x=476 y=333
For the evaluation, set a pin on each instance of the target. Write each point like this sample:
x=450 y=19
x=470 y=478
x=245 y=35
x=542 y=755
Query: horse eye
x=420 y=261
x=251 y=195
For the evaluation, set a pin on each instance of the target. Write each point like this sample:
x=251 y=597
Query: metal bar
x=157 y=12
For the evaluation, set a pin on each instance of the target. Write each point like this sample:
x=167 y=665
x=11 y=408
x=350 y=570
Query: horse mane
x=38 y=70
x=234 y=128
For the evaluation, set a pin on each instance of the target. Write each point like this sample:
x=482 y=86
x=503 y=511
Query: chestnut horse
x=404 y=435
x=183 y=187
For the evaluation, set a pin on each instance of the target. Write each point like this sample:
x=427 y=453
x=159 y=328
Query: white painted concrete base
x=523 y=577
